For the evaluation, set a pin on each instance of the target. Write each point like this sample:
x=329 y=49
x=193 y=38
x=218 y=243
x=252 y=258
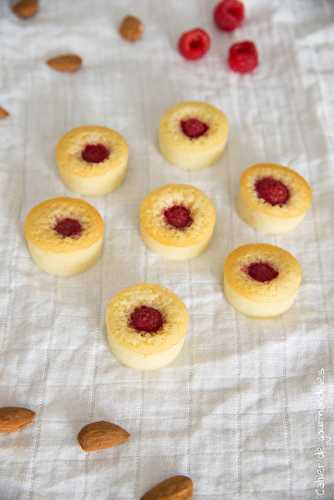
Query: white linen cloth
x=247 y=409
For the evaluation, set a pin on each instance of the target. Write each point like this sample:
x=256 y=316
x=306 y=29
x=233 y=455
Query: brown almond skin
x=100 y=435
x=3 y=113
x=66 y=63
x=173 y=488
x=13 y=418
x=26 y=8
x=131 y=29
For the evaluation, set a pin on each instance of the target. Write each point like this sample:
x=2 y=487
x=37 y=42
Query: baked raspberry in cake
x=92 y=160
x=177 y=221
x=261 y=280
x=193 y=134
x=273 y=198
x=146 y=326
x=64 y=235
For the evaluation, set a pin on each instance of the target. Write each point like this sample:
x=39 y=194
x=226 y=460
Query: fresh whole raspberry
x=261 y=271
x=194 y=128
x=146 y=319
x=229 y=15
x=243 y=57
x=178 y=216
x=95 y=153
x=68 y=228
x=272 y=191
x=194 y=44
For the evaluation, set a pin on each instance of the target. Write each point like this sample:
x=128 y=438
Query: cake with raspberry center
x=92 y=160
x=177 y=221
x=272 y=198
x=261 y=280
x=146 y=326
x=64 y=235
x=193 y=134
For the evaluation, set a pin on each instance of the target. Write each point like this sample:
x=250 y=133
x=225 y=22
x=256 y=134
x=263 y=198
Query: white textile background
x=247 y=409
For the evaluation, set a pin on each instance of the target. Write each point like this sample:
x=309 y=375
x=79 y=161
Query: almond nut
x=174 y=488
x=66 y=63
x=3 y=113
x=101 y=435
x=13 y=418
x=25 y=8
x=131 y=28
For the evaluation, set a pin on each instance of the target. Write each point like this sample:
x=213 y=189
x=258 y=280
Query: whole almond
x=101 y=435
x=25 y=8
x=66 y=63
x=13 y=418
x=131 y=29
x=3 y=113
x=174 y=488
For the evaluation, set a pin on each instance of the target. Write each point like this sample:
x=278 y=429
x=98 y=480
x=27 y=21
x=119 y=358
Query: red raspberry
x=95 y=153
x=178 y=216
x=146 y=319
x=261 y=271
x=68 y=228
x=194 y=128
x=229 y=15
x=272 y=191
x=243 y=57
x=194 y=44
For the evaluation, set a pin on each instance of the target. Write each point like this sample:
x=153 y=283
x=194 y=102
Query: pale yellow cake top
x=216 y=120
x=283 y=286
x=41 y=220
x=71 y=145
x=300 y=191
x=153 y=223
x=174 y=312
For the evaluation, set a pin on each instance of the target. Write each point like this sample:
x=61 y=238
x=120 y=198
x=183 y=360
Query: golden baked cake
x=177 y=221
x=146 y=326
x=193 y=134
x=273 y=198
x=92 y=160
x=261 y=280
x=64 y=235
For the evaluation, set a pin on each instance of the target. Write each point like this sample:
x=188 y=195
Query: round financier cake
x=272 y=198
x=261 y=280
x=92 y=160
x=64 y=235
x=193 y=134
x=146 y=326
x=177 y=221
